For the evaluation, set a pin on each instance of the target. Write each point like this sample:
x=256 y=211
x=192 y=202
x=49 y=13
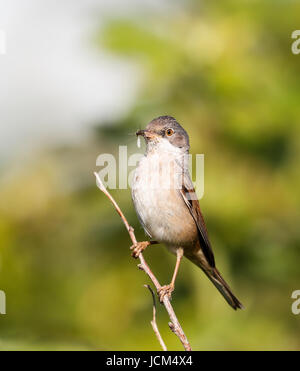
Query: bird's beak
x=146 y=134
x=140 y=132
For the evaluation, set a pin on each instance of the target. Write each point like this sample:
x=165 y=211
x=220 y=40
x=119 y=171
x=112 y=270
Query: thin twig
x=174 y=324
x=153 y=322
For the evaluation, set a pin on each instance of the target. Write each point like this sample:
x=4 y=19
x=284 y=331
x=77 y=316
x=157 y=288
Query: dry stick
x=153 y=322
x=174 y=324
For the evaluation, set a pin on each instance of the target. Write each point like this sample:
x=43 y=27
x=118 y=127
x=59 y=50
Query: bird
x=167 y=206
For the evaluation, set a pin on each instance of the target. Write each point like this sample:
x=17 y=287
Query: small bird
x=167 y=206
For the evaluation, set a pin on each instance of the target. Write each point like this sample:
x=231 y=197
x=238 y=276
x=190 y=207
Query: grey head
x=166 y=128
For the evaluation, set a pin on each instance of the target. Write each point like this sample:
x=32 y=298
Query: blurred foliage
x=226 y=72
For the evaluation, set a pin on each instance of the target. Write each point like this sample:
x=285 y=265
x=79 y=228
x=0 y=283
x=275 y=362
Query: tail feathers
x=214 y=275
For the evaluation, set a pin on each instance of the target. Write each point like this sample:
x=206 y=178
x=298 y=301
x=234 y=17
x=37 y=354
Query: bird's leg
x=140 y=247
x=168 y=289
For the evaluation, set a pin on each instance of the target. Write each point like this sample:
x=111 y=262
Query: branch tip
x=99 y=183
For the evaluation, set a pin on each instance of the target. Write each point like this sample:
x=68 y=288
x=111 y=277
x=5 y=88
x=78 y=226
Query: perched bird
x=166 y=203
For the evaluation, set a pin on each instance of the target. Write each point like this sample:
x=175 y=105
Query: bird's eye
x=169 y=132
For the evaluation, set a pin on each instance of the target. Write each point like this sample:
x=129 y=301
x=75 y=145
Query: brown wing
x=190 y=198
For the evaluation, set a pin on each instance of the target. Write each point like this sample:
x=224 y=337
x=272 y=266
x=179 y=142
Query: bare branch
x=153 y=322
x=174 y=324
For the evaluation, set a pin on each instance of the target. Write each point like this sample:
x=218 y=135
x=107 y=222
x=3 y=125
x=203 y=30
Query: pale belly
x=162 y=212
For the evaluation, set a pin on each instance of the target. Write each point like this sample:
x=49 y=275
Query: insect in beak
x=148 y=135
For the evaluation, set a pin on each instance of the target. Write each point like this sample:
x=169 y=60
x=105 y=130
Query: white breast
x=159 y=206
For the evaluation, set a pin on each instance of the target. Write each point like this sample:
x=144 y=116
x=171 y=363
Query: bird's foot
x=138 y=248
x=165 y=290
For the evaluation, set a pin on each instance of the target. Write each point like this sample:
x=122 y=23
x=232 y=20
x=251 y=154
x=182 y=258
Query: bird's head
x=165 y=132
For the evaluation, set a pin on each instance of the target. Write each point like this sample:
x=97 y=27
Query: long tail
x=214 y=275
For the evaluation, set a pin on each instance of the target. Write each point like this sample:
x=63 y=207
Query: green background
x=225 y=70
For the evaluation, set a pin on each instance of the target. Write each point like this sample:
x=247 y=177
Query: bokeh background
x=77 y=80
